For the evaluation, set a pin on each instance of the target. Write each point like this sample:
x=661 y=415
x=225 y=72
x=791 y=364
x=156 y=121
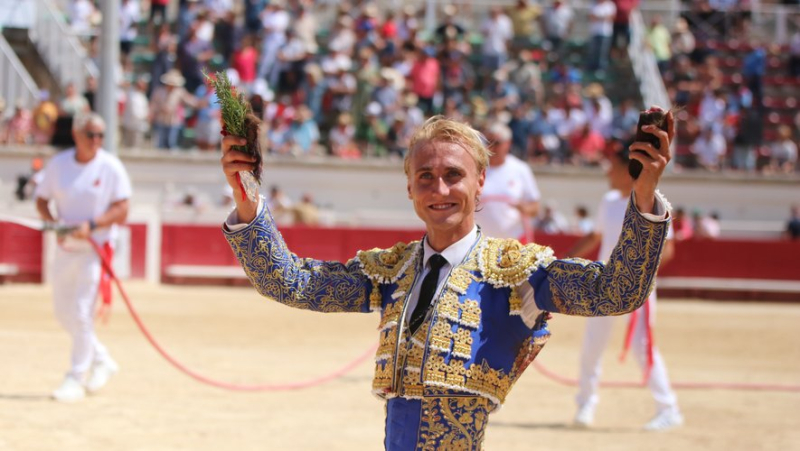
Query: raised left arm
x=621 y=285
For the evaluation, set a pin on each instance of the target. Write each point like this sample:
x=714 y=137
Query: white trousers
x=76 y=277
x=598 y=332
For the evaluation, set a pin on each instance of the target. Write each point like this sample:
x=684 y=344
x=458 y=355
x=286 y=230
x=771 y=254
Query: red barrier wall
x=138 y=250
x=770 y=260
x=727 y=259
x=205 y=245
x=22 y=247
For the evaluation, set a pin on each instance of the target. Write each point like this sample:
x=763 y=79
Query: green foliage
x=233 y=105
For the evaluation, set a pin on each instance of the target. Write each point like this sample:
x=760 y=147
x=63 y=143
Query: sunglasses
x=93 y=135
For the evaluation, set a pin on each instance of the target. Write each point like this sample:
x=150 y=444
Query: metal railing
x=60 y=49
x=651 y=83
x=16 y=84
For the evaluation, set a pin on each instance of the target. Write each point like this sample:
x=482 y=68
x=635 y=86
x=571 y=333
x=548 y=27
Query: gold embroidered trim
x=387 y=265
x=456 y=423
x=462 y=343
x=479 y=380
x=527 y=354
x=391 y=314
x=515 y=302
x=448 y=306
x=507 y=263
x=471 y=313
x=586 y=288
x=440 y=336
x=460 y=280
x=375 y=298
x=386 y=344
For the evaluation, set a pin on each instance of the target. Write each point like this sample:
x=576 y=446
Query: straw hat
x=314 y=72
x=173 y=78
x=594 y=90
x=394 y=78
x=371 y=10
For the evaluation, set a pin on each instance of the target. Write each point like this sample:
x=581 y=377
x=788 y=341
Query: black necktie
x=426 y=292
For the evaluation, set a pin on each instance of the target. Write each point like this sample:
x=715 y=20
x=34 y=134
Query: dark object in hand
x=251 y=126
x=654 y=116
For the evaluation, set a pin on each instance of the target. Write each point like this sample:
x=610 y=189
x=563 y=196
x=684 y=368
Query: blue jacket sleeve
x=621 y=285
x=302 y=283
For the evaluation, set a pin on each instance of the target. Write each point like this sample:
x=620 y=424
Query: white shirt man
x=608 y=226
x=558 y=19
x=510 y=193
x=602 y=22
x=709 y=147
x=129 y=16
x=497 y=30
x=90 y=190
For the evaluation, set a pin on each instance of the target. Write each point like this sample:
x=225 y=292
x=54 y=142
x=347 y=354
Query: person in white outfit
x=608 y=226
x=510 y=193
x=90 y=190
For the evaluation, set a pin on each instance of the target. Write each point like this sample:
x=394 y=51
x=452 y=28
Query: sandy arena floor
x=231 y=334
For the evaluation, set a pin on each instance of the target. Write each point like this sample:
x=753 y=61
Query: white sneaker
x=101 y=373
x=70 y=390
x=664 y=420
x=585 y=417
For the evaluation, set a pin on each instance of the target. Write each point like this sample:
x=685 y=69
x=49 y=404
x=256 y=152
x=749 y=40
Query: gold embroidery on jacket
x=507 y=263
x=586 y=288
x=453 y=423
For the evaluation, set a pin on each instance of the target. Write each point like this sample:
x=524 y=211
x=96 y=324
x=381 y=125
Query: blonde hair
x=440 y=129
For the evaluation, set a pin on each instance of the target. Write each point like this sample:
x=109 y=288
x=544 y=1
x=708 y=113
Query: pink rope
x=219 y=384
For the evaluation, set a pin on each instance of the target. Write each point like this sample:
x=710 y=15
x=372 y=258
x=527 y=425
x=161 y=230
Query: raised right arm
x=302 y=283
x=272 y=268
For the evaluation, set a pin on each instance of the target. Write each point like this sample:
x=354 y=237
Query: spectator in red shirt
x=622 y=23
x=389 y=27
x=424 y=78
x=244 y=60
x=587 y=146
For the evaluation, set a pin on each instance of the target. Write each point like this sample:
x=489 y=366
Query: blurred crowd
x=353 y=80
x=738 y=91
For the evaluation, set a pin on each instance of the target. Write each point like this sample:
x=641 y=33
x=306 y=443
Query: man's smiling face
x=443 y=183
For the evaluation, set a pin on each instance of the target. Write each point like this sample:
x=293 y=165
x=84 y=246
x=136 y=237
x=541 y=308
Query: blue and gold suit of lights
x=442 y=382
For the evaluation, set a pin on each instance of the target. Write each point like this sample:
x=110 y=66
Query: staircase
x=46 y=50
x=61 y=50
x=16 y=85
x=31 y=60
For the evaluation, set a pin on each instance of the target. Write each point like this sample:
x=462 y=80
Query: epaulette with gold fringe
x=387 y=265
x=509 y=263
